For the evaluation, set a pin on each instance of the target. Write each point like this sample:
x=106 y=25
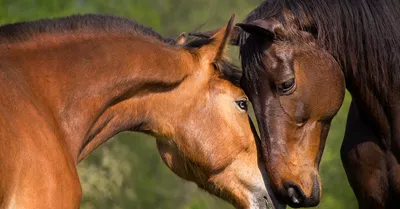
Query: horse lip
x=272 y=203
x=268 y=202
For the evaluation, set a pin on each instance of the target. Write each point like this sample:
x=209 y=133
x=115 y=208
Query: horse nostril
x=294 y=197
x=295 y=194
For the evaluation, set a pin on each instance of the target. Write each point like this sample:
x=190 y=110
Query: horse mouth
x=270 y=204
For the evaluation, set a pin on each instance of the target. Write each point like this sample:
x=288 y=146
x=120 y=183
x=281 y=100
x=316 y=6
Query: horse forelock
x=251 y=55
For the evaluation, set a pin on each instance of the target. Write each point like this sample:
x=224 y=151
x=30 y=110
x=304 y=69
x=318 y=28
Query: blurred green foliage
x=127 y=172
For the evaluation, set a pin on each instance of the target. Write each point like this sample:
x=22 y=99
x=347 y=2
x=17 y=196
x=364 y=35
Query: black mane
x=76 y=23
x=362 y=35
x=229 y=71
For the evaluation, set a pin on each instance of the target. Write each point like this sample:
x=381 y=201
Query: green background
x=127 y=172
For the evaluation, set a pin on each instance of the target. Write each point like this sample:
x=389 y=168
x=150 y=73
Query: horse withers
x=70 y=84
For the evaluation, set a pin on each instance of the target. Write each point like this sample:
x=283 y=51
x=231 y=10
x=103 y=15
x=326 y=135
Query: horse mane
x=229 y=71
x=96 y=23
x=363 y=36
x=93 y=23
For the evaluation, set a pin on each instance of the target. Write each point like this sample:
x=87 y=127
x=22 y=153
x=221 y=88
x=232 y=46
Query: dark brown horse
x=67 y=85
x=295 y=54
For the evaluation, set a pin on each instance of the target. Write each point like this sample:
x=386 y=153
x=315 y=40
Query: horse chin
x=262 y=195
x=254 y=197
x=271 y=202
x=265 y=199
x=266 y=202
x=274 y=203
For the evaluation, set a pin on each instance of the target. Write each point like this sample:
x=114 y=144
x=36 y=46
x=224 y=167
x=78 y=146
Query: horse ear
x=264 y=28
x=233 y=40
x=215 y=49
x=181 y=39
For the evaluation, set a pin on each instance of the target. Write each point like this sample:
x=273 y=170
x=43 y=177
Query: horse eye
x=242 y=104
x=286 y=86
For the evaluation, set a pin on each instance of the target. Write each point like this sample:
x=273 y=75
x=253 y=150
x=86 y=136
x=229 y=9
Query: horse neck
x=98 y=88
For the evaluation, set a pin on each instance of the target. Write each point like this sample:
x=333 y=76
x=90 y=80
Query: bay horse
x=69 y=84
x=298 y=57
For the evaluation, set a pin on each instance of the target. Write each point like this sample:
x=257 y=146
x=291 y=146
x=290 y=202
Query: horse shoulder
x=32 y=152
